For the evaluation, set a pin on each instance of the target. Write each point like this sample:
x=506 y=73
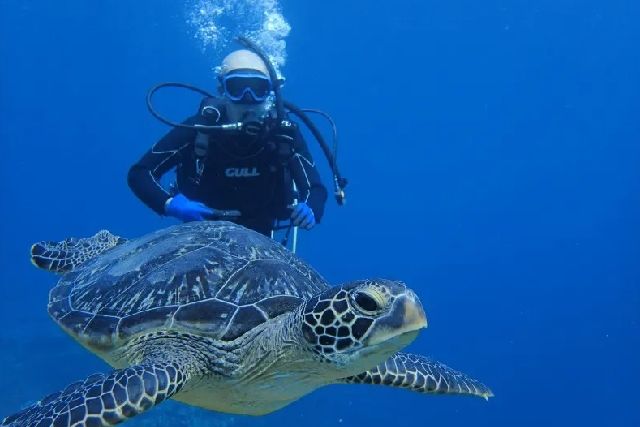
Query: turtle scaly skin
x=221 y=317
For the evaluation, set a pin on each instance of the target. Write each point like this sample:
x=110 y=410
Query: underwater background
x=493 y=152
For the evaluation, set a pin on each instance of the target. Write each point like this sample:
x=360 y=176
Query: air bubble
x=216 y=23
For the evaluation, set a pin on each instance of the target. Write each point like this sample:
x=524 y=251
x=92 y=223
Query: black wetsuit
x=237 y=172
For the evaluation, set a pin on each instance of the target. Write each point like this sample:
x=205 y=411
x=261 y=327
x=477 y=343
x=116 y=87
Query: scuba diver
x=240 y=158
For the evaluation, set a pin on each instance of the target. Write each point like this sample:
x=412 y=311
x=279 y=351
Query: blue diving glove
x=302 y=216
x=186 y=210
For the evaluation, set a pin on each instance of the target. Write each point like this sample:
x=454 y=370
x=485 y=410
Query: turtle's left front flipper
x=104 y=400
x=421 y=374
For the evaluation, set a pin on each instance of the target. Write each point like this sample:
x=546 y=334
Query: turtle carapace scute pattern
x=218 y=284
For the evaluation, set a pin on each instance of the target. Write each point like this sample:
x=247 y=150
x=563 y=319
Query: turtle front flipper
x=64 y=256
x=104 y=400
x=421 y=374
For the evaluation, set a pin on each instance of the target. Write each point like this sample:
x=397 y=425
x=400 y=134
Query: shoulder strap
x=211 y=112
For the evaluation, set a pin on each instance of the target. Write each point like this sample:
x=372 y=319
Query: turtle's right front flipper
x=421 y=374
x=60 y=257
x=104 y=400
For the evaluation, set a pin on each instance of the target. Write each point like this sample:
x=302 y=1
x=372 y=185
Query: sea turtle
x=221 y=317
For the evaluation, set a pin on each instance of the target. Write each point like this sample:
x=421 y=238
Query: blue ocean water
x=493 y=150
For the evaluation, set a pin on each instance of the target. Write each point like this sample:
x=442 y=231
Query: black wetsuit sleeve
x=167 y=153
x=306 y=176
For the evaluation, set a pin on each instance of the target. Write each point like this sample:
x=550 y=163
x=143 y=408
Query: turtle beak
x=405 y=318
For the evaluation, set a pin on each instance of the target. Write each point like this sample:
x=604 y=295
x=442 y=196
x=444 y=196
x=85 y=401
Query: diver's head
x=244 y=78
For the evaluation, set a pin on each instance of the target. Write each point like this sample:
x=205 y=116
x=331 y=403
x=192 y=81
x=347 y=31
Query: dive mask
x=246 y=87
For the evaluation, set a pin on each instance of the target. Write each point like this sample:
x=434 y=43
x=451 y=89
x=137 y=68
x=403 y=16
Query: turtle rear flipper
x=421 y=374
x=64 y=256
x=104 y=400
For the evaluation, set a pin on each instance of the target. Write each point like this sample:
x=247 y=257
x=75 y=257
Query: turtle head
x=360 y=324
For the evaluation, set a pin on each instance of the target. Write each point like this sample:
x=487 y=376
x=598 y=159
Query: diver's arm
x=144 y=176
x=305 y=174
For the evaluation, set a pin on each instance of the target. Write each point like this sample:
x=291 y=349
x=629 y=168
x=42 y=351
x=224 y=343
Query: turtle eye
x=366 y=302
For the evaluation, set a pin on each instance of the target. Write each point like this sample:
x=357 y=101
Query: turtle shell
x=215 y=279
